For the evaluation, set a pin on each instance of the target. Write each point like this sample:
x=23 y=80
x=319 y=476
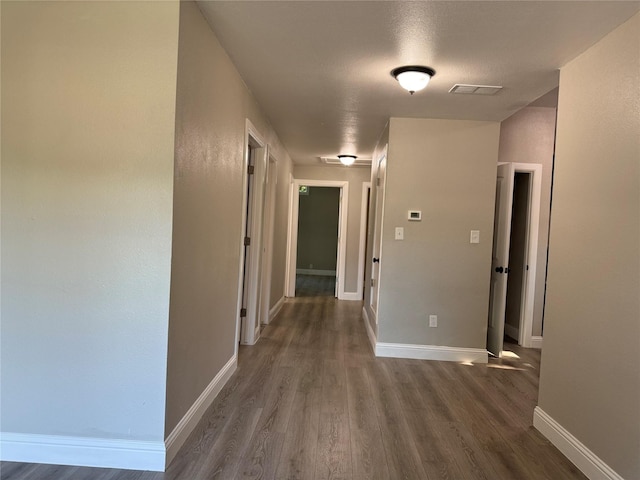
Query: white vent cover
x=475 y=89
x=360 y=162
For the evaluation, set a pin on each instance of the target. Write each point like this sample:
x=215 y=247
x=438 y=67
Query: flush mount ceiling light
x=347 y=159
x=413 y=77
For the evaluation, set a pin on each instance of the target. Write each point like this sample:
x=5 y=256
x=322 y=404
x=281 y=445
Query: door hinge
x=373 y=282
x=378 y=181
x=243 y=312
x=247 y=241
x=250 y=169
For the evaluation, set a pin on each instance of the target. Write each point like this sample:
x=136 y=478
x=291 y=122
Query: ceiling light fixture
x=347 y=159
x=413 y=78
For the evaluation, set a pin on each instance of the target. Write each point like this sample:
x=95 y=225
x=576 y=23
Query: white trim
x=363 y=238
x=311 y=271
x=511 y=331
x=572 y=448
x=250 y=131
x=276 y=308
x=536 y=342
x=185 y=426
x=533 y=224
x=82 y=451
x=292 y=244
x=432 y=352
x=370 y=334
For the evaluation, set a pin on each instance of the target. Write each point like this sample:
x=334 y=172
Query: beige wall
x=528 y=137
x=446 y=169
x=212 y=104
x=356 y=176
x=589 y=381
x=88 y=112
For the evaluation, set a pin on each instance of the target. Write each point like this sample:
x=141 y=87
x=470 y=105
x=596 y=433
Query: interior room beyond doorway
x=317 y=251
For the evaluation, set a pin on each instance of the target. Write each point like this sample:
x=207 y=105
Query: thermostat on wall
x=415 y=215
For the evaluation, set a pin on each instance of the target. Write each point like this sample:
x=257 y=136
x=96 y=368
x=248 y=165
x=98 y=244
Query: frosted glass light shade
x=413 y=78
x=347 y=159
x=413 y=81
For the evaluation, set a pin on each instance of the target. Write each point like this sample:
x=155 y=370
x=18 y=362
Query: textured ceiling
x=320 y=69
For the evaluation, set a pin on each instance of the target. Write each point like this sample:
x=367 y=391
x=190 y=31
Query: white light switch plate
x=399 y=233
x=475 y=236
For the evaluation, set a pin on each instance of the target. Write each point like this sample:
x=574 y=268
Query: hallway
x=310 y=401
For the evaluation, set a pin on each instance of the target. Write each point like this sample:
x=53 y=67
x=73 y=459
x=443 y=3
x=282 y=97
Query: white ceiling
x=320 y=69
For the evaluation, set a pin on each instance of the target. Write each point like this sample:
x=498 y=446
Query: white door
x=500 y=263
x=251 y=322
x=377 y=234
x=267 y=240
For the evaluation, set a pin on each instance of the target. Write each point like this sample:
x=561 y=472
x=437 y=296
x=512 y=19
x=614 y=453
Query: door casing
x=533 y=221
x=253 y=139
x=292 y=244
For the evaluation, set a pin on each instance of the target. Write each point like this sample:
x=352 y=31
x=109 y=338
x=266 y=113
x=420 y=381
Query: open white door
x=251 y=321
x=267 y=239
x=500 y=263
x=377 y=233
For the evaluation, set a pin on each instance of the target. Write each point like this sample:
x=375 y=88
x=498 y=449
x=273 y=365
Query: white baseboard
x=512 y=331
x=352 y=296
x=536 y=342
x=572 y=448
x=276 y=309
x=185 y=426
x=370 y=334
x=432 y=352
x=310 y=271
x=82 y=451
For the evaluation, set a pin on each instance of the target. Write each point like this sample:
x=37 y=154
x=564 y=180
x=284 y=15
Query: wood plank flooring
x=310 y=401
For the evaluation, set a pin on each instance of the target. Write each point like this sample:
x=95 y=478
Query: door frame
x=533 y=224
x=251 y=136
x=379 y=205
x=366 y=189
x=292 y=234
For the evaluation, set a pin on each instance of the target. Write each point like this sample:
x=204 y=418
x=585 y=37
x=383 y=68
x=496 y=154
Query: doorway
x=251 y=258
x=317 y=252
x=515 y=246
x=364 y=228
x=381 y=167
x=317 y=237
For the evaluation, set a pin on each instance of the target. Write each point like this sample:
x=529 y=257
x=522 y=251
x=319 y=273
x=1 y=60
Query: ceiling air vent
x=359 y=162
x=475 y=89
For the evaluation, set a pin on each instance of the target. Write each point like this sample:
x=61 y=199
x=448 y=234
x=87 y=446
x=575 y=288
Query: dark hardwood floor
x=310 y=401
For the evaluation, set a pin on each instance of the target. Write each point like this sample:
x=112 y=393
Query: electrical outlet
x=433 y=320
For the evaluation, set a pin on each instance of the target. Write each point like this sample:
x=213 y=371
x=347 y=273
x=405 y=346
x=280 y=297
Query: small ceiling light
x=413 y=78
x=347 y=159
